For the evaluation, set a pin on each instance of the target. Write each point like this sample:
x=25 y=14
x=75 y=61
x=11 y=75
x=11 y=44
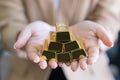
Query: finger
x=53 y=63
x=74 y=65
x=32 y=54
x=83 y=63
x=101 y=33
x=23 y=38
x=93 y=54
x=43 y=64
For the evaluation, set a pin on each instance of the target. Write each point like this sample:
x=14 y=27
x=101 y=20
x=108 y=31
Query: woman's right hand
x=31 y=40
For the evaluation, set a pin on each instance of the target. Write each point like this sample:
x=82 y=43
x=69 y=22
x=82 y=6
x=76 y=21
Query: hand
x=31 y=40
x=90 y=34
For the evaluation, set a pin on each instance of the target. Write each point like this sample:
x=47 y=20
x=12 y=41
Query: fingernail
x=43 y=64
x=14 y=46
x=36 y=60
x=53 y=65
x=83 y=66
x=43 y=67
x=91 y=61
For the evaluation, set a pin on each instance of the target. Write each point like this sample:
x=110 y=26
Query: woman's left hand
x=90 y=34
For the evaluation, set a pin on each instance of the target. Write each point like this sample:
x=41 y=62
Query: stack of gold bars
x=63 y=47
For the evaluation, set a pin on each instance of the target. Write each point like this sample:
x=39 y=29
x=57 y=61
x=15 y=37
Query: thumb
x=23 y=38
x=103 y=36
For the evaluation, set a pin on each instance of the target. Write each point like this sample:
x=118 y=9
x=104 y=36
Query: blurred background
x=114 y=57
x=4 y=62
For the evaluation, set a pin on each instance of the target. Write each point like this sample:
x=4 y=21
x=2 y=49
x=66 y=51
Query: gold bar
x=45 y=47
x=72 y=36
x=49 y=55
x=62 y=34
x=55 y=46
x=63 y=46
x=63 y=57
x=78 y=54
x=46 y=54
x=63 y=37
x=52 y=36
x=72 y=45
x=61 y=27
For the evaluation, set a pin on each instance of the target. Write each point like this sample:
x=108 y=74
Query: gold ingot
x=63 y=46
x=78 y=53
x=55 y=46
x=63 y=37
x=62 y=34
x=45 y=47
x=62 y=27
x=53 y=36
x=72 y=45
x=48 y=54
x=63 y=57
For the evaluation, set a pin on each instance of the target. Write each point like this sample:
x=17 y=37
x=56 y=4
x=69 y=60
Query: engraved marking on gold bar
x=61 y=27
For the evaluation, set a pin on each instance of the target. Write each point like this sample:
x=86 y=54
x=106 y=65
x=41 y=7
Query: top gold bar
x=61 y=27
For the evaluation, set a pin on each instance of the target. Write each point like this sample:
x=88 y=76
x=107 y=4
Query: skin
x=31 y=40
